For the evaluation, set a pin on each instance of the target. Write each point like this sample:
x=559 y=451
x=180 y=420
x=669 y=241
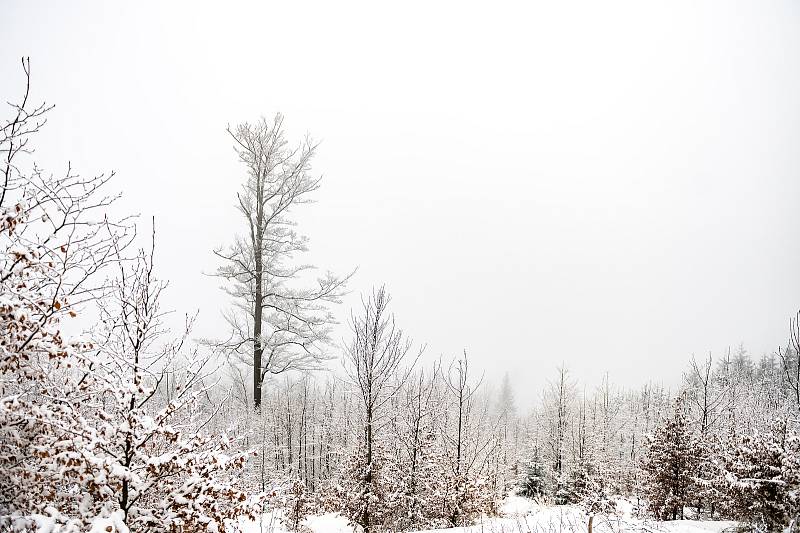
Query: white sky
x=612 y=185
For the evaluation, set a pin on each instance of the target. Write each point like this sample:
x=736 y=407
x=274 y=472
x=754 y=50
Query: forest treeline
x=131 y=426
x=722 y=445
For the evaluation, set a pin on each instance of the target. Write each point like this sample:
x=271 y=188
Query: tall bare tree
x=277 y=323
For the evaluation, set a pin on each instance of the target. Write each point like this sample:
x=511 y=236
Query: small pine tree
x=669 y=465
x=534 y=482
x=564 y=494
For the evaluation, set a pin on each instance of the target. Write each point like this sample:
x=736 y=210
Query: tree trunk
x=368 y=477
x=258 y=300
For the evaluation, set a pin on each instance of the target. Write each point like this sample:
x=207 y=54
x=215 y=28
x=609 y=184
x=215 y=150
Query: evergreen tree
x=564 y=493
x=534 y=482
x=670 y=464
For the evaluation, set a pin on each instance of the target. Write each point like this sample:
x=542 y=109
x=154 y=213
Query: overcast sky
x=609 y=185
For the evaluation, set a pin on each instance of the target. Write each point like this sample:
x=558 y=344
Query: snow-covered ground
x=520 y=515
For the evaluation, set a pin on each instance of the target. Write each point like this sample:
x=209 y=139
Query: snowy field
x=520 y=515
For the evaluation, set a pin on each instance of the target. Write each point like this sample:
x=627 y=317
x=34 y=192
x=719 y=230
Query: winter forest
x=114 y=419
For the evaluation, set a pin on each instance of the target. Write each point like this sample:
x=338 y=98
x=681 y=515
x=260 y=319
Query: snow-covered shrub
x=297 y=504
x=710 y=486
x=101 y=434
x=468 y=497
x=422 y=486
x=369 y=492
x=591 y=488
x=764 y=478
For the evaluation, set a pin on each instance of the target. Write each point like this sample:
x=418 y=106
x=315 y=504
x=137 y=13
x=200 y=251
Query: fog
x=612 y=188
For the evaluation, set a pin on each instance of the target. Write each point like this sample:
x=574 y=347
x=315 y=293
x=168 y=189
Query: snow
x=519 y=515
x=517 y=505
x=328 y=523
x=269 y=523
x=114 y=523
x=697 y=526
